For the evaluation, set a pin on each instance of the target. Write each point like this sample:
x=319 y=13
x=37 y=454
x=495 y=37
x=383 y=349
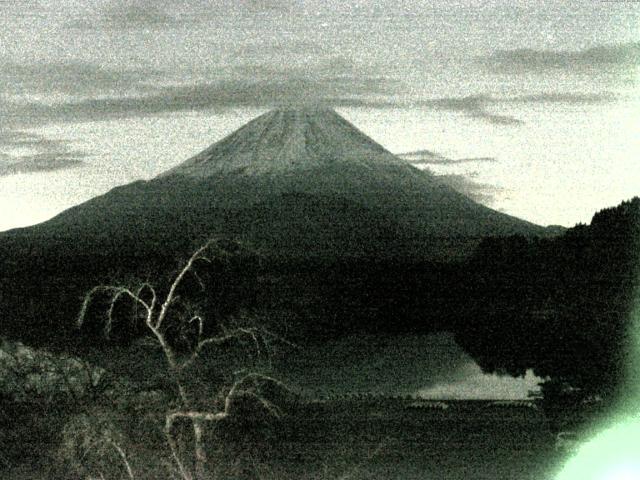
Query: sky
x=532 y=109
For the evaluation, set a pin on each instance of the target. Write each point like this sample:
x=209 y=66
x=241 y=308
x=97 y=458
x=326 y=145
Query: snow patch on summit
x=287 y=140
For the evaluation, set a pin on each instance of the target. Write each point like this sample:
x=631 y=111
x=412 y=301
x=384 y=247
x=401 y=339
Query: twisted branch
x=198 y=255
x=197 y=417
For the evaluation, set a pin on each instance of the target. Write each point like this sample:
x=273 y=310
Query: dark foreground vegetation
x=169 y=383
x=375 y=438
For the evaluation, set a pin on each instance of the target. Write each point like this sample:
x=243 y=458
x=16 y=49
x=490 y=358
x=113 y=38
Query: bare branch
x=252 y=333
x=85 y=304
x=147 y=286
x=198 y=318
x=166 y=348
x=172 y=290
x=116 y=292
x=200 y=282
x=268 y=333
x=184 y=473
x=109 y=322
x=195 y=417
x=236 y=388
x=123 y=455
x=269 y=406
x=205 y=259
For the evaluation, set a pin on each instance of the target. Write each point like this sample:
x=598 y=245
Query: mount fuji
x=293 y=183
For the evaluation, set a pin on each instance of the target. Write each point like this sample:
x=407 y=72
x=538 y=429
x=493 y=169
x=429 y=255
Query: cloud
x=309 y=63
x=483 y=193
x=148 y=15
x=282 y=45
x=474 y=107
x=270 y=87
x=496 y=119
x=424 y=157
x=262 y=6
x=222 y=94
x=42 y=162
x=477 y=106
x=566 y=98
x=51 y=92
x=128 y=15
x=622 y=55
x=458 y=104
x=427 y=157
x=79 y=91
x=24 y=139
x=71 y=78
x=21 y=139
x=50 y=154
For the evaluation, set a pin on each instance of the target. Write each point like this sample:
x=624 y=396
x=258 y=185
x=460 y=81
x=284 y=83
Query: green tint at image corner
x=614 y=453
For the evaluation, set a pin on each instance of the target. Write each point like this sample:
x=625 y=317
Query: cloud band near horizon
x=237 y=93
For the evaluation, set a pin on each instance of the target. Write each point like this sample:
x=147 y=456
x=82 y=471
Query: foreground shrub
x=35 y=376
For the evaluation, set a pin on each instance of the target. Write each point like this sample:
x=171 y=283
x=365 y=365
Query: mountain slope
x=368 y=195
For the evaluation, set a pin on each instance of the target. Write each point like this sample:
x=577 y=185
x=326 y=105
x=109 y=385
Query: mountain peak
x=284 y=139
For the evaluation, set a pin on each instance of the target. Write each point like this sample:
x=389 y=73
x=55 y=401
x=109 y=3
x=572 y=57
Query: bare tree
x=155 y=312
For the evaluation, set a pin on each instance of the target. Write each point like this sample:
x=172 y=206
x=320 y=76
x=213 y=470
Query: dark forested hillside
x=560 y=306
